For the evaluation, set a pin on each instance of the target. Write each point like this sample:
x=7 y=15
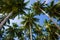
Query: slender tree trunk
x=30 y=33
x=2 y=23
x=57 y=34
x=50 y=18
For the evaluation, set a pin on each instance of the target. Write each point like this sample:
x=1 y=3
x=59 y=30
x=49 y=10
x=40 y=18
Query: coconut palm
x=12 y=7
x=52 y=31
x=38 y=7
x=14 y=31
x=29 y=21
x=55 y=8
x=38 y=32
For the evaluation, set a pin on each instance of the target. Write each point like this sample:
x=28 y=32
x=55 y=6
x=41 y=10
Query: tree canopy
x=30 y=28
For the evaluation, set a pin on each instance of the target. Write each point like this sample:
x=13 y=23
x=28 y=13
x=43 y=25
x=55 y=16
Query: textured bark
x=2 y=23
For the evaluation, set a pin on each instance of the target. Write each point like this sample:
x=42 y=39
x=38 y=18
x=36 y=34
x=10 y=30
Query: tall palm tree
x=12 y=7
x=40 y=7
x=29 y=22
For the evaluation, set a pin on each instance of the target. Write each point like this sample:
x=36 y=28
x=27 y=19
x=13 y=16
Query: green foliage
x=46 y=32
x=29 y=19
x=36 y=7
x=15 y=6
x=51 y=29
x=14 y=31
x=55 y=8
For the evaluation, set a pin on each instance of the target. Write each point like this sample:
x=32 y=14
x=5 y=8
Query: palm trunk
x=30 y=33
x=50 y=18
x=2 y=23
x=57 y=34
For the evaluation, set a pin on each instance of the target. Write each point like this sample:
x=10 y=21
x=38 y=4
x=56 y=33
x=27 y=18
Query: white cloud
x=16 y=20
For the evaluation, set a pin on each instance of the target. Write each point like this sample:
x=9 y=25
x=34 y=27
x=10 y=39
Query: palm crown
x=15 y=6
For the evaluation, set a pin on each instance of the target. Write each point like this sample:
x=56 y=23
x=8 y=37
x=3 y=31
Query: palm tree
x=38 y=32
x=29 y=22
x=14 y=31
x=12 y=7
x=52 y=31
x=40 y=7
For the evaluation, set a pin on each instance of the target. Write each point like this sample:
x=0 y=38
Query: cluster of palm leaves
x=30 y=29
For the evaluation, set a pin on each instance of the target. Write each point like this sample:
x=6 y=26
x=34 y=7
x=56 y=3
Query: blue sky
x=41 y=17
x=16 y=20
